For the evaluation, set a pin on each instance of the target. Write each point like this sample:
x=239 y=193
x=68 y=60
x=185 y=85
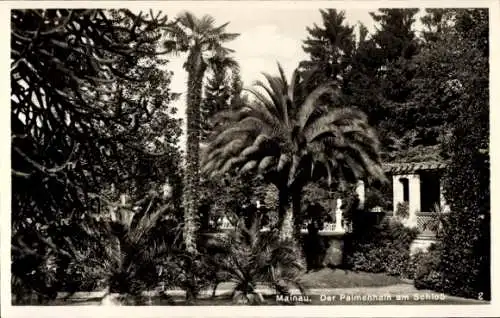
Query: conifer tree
x=379 y=81
x=330 y=47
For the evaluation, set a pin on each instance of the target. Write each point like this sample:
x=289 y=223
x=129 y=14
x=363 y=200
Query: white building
x=418 y=188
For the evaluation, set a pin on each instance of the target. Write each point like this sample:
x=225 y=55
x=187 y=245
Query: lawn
x=338 y=278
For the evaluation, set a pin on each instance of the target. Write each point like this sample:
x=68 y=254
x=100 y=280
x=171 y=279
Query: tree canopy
x=89 y=109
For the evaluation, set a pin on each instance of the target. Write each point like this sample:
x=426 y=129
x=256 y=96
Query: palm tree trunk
x=286 y=229
x=285 y=214
x=192 y=176
x=297 y=212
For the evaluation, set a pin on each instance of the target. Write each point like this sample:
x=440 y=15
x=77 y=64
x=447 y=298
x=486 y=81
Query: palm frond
x=293 y=85
x=318 y=130
x=227 y=37
x=248 y=166
x=226 y=160
x=338 y=117
x=265 y=163
x=252 y=149
x=307 y=108
x=265 y=102
x=278 y=89
x=177 y=37
x=248 y=124
x=284 y=160
x=230 y=164
x=188 y=20
x=233 y=147
x=221 y=28
x=273 y=98
x=256 y=110
x=283 y=77
x=371 y=165
x=205 y=25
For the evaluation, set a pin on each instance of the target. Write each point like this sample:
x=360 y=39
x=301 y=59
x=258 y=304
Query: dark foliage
x=218 y=93
x=87 y=104
x=466 y=255
x=378 y=197
x=249 y=257
x=402 y=210
x=380 y=78
x=235 y=197
x=465 y=260
x=330 y=48
x=425 y=269
x=383 y=247
x=191 y=272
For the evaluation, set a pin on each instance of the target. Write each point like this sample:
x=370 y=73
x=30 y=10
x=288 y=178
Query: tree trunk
x=285 y=215
x=286 y=229
x=192 y=172
x=290 y=218
x=297 y=212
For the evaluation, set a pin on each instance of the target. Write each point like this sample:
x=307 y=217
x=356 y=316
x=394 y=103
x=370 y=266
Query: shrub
x=465 y=263
x=426 y=264
x=231 y=195
x=190 y=272
x=251 y=257
x=403 y=210
x=381 y=248
x=375 y=197
x=466 y=255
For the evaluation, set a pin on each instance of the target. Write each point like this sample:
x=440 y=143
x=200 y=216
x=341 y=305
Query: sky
x=267 y=35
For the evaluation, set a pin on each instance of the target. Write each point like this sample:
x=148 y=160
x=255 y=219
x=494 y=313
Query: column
x=360 y=191
x=397 y=192
x=414 y=204
x=338 y=217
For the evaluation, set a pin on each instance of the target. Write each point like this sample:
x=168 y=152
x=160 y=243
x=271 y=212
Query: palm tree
x=290 y=139
x=248 y=257
x=132 y=255
x=203 y=41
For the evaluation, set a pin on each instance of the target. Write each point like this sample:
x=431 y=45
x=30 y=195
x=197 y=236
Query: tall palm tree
x=289 y=138
x=203 y=41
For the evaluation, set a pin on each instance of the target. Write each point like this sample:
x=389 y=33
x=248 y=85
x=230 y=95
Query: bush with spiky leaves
x=289 y=137
x=191 y=272
x=129 y=258
x=249 y=257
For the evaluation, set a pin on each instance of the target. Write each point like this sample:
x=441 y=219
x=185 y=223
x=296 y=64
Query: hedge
x=383 y=247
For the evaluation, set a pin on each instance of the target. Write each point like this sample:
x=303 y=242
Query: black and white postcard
x=226 y=158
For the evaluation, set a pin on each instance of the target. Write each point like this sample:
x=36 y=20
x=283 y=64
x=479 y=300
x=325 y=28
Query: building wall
x=413 y=199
